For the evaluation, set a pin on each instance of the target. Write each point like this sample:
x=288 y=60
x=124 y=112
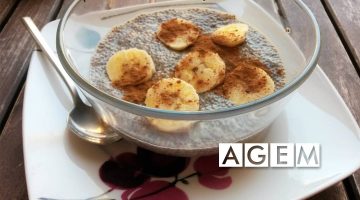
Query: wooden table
x=340 y=59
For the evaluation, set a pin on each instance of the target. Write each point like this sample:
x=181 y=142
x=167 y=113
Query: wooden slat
x=356 y=178
x=346 y=15
x=6 y=6
x=15 y=45
x=335 y=192
x=352 y=185
x=12 y=174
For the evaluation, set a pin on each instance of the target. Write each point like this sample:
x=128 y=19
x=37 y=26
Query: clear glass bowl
x=288 y=24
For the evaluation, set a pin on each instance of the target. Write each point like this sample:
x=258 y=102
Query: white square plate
x=61 y=166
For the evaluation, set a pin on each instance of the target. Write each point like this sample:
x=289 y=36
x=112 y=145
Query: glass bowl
x=288 y=25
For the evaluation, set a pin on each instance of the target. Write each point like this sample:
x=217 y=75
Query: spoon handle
x=40 y=41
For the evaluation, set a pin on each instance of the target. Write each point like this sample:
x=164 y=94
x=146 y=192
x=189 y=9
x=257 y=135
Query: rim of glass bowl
x=185 y=115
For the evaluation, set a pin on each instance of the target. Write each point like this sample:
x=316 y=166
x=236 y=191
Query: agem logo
x=269 y=155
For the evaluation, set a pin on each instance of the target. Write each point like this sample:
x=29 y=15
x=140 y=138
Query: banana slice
x=130 y=67
x=172 y=94
x=230 y=35
x=204 y=70
x=171 y=126
x=247 y=83
x=177 y=33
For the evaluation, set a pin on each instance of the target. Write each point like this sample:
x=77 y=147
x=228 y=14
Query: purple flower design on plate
x=210 y=174
x=133 y=173
x=124 y=171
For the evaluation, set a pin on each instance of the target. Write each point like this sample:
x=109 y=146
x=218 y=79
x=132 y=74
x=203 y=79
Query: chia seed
x=140 y=33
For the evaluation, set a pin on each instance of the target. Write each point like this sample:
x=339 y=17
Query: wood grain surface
x=334 y=61
x=346 y=16
x=12 y=173
x=6 y=8
x=356 y=184
x=335 y=192
x=16 y=46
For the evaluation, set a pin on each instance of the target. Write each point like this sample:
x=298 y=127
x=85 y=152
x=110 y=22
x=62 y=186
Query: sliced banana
x=230 y=35
x=204 y=70
x=247 y=83
x=130 y=67
x=172 y=94
x=171 y=126
x=177 y=33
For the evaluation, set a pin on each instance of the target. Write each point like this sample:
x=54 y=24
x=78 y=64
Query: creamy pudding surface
x=140 y=33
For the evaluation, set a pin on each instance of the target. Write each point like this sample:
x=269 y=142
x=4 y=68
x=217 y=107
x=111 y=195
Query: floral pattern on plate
x=137 y=174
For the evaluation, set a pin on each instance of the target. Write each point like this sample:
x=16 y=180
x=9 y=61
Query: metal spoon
x=82 y=120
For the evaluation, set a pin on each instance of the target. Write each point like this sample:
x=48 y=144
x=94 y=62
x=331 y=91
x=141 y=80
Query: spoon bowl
x=84 y=122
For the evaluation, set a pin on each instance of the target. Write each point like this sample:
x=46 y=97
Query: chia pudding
x=140 y=33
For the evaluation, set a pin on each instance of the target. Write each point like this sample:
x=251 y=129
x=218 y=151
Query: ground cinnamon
x=248 y=76
x=136 y=93
x=171 y=29
x=233 y=58
x=133 y=74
